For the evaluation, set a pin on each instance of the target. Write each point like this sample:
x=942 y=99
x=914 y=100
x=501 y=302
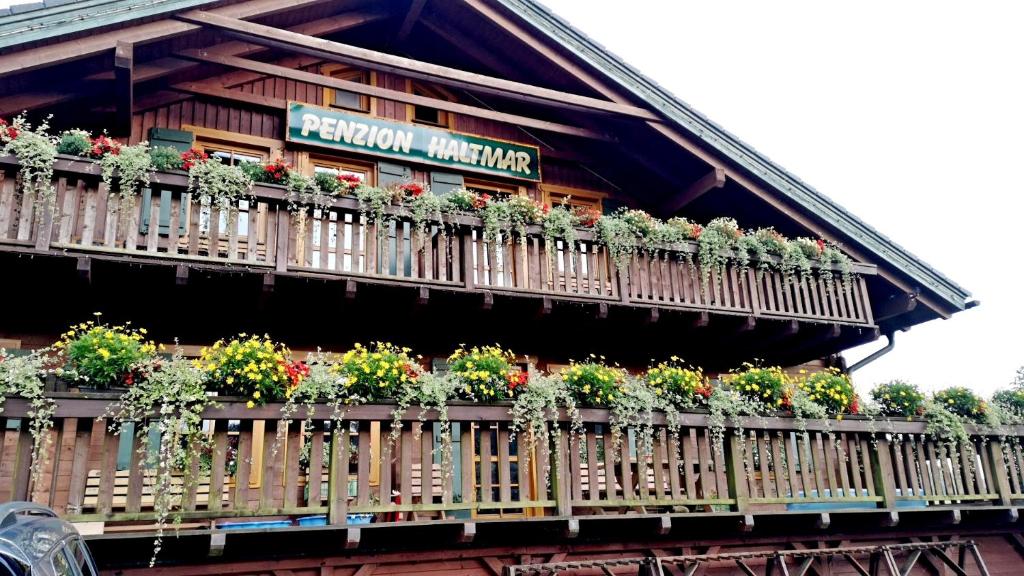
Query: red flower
x=481 y=201
x=821 y=246
x=191 y=157
x=855 y=405
x=697 y=229
x=349 y=181
x=277 y=170
x=413 y=189
x=296 y=371
x=9 y=131
x=587 y=216
x=516 y=379
x=102 y=145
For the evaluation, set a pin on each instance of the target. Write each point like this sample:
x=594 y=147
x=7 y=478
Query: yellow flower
x=250 y=404
x=256 y=394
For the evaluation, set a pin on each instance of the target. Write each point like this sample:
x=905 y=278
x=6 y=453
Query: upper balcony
x=266 y=239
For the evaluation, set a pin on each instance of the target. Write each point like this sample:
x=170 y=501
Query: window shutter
x=179 y=139
x=390 y=174
x=165 y=213
x=442 y=183
x=346 y=99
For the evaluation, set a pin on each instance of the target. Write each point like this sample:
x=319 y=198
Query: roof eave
x=740 y=153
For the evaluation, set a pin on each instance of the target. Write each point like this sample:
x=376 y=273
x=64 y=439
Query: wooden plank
x=293 y=448
x=217 y=464
x=468 y=464
x=763 y=440
x=69 y=211
x=268 y=35
x=337 y=490
x=626 y=468
x=316 y=465
x=593 y=488
x=405 y=466
x=107 y=472
x=658 y=458
x=504 y=466
x=137 y=472
x=7 y=202
x=243 y=465
x=855 y=471
x=611 y=492
x=779 y=453
x=364 y=462
x=28 y=205
x=427 y=463
x=484 y=478
x=869 y=474
x=523 y=468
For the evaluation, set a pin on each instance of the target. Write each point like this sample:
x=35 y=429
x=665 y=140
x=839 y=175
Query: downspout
x=891 y=337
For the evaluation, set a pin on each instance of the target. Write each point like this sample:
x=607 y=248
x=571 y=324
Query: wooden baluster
x=855 y=471
x=523 y=468
x=108 y=474
x=405 y=464
x=900 y=468
x=358 y=246
x=469 y=465
x=386 y=481
x=218 y=463
x=252 y=239
x=271 y=477
x=193 y=229
x=737 y=473
x=778 y=451
x=323 y=262
x=25 y=221
x=749 y=470
x=292 y=446
x=869 y=474
x=315 y=479
x=79 y=470
x=880 y=460
x=561 y=476
x=674 y=441
x=191 y=480
x=791 y=461
x=337 y=484
x=593 y=470
x=136 y=471
x=243 y=465
x=484 y=479
x=575 y=470
x=764 y=442
x=818 y=455
x=427 y=462
x=363 y=466
x=504 y=463
x=69 y=212
x=7 y=203
x=62 y=463
x=911 y=462
x=658 y=463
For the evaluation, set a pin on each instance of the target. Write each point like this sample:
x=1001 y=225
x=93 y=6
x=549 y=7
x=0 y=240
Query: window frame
x=493 y=187
x=343 y=72
x=446 y=118
x=552 y=194
x=341 y=163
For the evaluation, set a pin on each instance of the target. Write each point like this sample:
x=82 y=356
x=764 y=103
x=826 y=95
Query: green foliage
x=486 y=373
x=765 y=385
x=103 y=355
x=249 y=366
x=680 y=385
x=1010 y=404
x=899 y=398
x=593 y=382
x=74 y=143
x=166 y=158
x=24 y=377
x=832 y=389
x=35 y=150
x=174 y=392
x=304 y=191
x=962 y=402
x=212 y=183
x=378 y=372
x=131 y=164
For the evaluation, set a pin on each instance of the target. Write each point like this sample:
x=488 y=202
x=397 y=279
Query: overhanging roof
x=26 y=23
x=738 y=152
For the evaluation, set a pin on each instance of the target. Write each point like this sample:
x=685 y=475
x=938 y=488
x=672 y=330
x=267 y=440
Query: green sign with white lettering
x=339 y=130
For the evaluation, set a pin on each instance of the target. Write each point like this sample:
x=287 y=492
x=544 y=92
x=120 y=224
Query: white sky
x=907 y=113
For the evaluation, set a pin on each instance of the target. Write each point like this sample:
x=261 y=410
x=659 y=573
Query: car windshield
x=10 y=567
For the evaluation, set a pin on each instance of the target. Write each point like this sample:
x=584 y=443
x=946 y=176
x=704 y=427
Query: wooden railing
x=89 y=473
x=261 y=233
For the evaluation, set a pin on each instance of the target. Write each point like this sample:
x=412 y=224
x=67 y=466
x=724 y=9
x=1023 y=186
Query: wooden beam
x=96 y=44
x=411 y=17
x=162 y=67
x=214 y=91
x=124 y=63
x=713 y=179
x=337 y=51
x=388 y=94
x=896 y=305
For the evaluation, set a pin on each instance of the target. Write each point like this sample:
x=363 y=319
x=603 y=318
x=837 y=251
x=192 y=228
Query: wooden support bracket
x=891 y=518
x=602 y=310
x=823 y=521
x=181 y=275
x=218 y=539
x=664 y=525
x=572 y=528
x=268 y=282
x=746 y=523
x=84 y=268
x=423 y=296
x=467 y=532
x=488 y=300
x=652 y=318
x=701 y=320
x=352 y=536
x=545 y=306
x=350 y=289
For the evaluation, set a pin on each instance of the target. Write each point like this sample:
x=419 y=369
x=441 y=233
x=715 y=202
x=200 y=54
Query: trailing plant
x=585 y=216
x=514 y=214
x=486 y=373
x=1010 y=406
x=276 y=171
x=104 y=355
x=169 y=402
x=250 y=366
x=539 y=403
x=681 y=385
x=831 y=389
x=942 y=424
x=728 y=406
x=560 y=224
x=796 y=260
x=193 y=156
x=378 y=372
x=899 y=398
x=317 y=380
x=36 y=151
x=713 y=245
x=74 y=143
x=593 y=382
x=132 y=165
x=466 y=201
x=373 y=202
x=634 y=407
x=424 y=208
x=619 y=238
x=304 y=191
x=24 y=376
x=431 y=392
x=166 y=158
x=831 y=254
x=212 y=183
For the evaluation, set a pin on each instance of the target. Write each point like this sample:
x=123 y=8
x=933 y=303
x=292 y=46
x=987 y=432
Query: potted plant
x=99 y=356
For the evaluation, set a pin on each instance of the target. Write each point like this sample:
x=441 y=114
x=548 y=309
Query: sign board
x=339 y=130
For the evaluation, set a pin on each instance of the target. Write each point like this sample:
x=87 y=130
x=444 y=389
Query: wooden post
x=884 y=477
x=1000 y=481
x=45 y=229
x=124 y=56
x=560 y=476
x=283 y=222
x=736 y=472
x=467 y=260
x=337 y=483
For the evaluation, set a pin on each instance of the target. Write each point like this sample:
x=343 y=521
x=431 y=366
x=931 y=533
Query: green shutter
x=165 y=213
x=180 y=139
x=442 y=183
x=390 y=174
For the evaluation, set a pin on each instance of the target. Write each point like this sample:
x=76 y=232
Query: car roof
x=29 y=531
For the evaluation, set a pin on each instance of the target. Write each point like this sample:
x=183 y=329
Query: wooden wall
x=266 y=123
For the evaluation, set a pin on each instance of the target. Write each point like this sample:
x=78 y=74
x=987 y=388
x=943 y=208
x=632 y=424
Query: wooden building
x=502 y=97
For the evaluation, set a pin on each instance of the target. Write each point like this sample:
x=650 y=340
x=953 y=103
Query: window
x=345 y=99
x=232 y=156
x=426 y=114
x=337 y=167
x=80 y=554
x=575 y=197
x=496 y=190
x=340 y=226
x=61 y=563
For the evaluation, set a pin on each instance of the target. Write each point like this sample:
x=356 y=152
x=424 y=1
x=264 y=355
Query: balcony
x=339 y=244
x=881 y=469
